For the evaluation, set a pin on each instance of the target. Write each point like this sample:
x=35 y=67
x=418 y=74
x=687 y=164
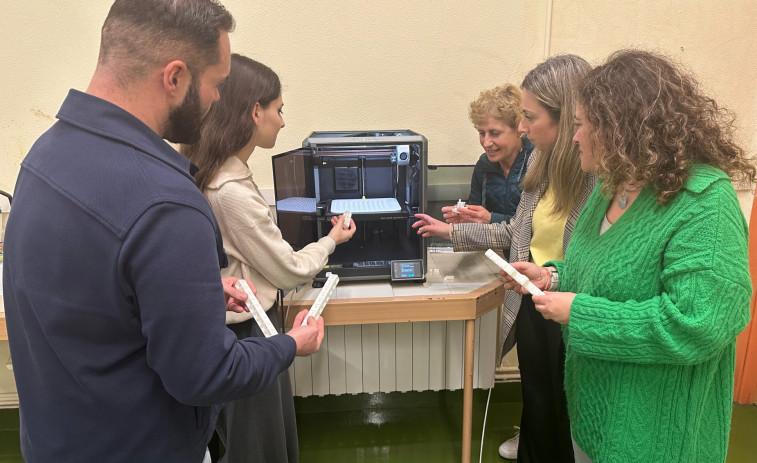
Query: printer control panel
x=407 y=270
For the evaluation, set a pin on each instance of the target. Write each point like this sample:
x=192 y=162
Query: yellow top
x=547 y=230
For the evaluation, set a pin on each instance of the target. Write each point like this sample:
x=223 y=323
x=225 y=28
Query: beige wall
x=397 y=64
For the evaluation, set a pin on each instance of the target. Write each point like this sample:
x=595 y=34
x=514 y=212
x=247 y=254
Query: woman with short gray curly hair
x=495 y=186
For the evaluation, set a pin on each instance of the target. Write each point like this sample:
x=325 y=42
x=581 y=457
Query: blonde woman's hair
x=553 y=84
x=501 y=103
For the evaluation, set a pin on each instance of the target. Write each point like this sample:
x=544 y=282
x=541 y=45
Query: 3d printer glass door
x=294 y=189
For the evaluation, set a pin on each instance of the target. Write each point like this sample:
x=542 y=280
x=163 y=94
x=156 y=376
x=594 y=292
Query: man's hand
x=308 y=337
x=235 y=297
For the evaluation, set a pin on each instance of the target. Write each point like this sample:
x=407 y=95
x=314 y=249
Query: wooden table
x=467 y=307
x=8 y=393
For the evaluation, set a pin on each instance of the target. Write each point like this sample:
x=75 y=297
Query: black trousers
x=544 y=424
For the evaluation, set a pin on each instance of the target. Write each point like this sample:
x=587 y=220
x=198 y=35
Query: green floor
x=403 y=427
x=426 y=427
x=410 y=427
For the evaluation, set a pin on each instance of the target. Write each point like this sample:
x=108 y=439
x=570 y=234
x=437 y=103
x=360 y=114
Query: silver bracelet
x=554 y=279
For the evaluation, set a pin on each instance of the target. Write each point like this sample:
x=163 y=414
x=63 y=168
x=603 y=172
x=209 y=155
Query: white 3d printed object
x=257 y=310
x=323 y=297
x=517 y=276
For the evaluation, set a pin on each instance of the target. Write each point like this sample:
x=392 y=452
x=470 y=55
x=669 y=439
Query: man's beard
x=185 y=121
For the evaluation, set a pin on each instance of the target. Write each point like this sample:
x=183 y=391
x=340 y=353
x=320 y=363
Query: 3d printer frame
x=379 y=176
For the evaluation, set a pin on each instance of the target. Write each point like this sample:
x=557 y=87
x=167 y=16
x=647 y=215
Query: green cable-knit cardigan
x=650 y=345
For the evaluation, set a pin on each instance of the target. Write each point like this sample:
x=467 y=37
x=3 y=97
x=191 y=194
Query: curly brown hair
x=651 y=122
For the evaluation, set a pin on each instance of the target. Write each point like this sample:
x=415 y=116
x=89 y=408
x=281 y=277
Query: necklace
x=623 y=200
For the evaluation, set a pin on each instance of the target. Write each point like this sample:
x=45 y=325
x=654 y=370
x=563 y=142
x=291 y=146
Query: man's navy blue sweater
x=113 y=298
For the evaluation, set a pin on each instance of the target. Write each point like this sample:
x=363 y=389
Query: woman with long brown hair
x=654 y=286
x=248 y=115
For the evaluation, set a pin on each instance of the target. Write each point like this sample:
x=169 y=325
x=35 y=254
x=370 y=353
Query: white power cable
x=483 y=428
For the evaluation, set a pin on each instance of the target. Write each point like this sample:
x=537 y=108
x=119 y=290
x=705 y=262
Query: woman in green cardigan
x=654 y=286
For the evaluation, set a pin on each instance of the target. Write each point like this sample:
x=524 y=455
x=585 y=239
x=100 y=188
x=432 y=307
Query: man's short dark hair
x=140 y=35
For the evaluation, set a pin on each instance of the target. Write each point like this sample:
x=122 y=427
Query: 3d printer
x=379 y=177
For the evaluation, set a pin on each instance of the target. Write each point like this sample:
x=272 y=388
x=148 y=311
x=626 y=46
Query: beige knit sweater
x=253 y=242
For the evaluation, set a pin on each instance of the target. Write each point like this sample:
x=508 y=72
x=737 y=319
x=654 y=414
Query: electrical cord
x=288 y=304
x=483 y=428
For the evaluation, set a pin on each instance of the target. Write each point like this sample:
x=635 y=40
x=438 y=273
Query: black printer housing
x=380 y=177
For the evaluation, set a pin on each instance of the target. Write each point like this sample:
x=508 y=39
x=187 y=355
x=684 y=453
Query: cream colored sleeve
x=258 y=239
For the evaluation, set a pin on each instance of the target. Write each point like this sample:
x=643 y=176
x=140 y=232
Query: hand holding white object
x=553 y=305
x=338 y=232
x=532 y=271
x=257 y=311
x=235 y=298
x=308 y=337
x=468 y=214
x=513 y=273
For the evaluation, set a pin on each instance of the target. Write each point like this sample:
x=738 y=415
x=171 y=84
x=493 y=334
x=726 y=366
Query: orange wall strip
x=746 y=346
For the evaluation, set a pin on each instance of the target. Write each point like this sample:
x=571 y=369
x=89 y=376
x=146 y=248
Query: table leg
x=470 y=332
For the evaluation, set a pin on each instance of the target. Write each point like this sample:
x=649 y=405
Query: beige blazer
x=515 y=235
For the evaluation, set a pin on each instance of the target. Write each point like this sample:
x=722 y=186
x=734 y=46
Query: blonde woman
x=554 y=192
